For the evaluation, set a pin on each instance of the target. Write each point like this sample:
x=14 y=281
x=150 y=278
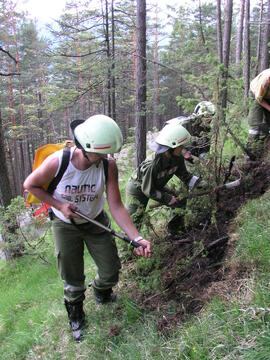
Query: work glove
x=197 y=182
x=177 y=203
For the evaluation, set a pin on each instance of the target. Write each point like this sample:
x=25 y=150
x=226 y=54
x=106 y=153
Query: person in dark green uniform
x=198 y=124
x=150 y=178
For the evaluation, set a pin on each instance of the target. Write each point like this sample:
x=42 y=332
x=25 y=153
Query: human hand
x=188 y=155
x=144 y=251
x=173 y=201
x=68 y=210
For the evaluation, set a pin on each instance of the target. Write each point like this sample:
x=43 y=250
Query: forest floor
x=194 y=267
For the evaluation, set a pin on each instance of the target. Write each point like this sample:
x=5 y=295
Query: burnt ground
x=193 y=267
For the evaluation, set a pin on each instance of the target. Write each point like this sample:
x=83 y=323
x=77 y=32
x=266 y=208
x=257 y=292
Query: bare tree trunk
x=113 y=67
x=266 y=38
x=108 y=54
x=201 y=26
x=156 y=117
x=247 y=49
x=79 y=64
x=5 y=187
x=226 y=50
x=238 y=54
x=219 y=33
x=140 y=119
x=259 y=39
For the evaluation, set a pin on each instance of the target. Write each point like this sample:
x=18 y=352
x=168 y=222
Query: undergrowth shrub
x=22 y=233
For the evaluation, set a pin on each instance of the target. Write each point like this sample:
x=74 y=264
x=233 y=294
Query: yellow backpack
x=40 y=155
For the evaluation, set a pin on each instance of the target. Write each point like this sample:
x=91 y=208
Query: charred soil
x=193 y=267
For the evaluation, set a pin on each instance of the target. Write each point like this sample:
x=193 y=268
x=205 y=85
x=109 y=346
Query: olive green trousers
x=257 y=116
x=70 y=242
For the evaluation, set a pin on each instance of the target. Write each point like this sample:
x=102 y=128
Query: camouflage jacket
x=154 y=173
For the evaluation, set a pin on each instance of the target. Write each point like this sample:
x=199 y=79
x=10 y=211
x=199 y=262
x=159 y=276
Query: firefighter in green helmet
x=82 y=188
x=198 y=125
x=149 y=180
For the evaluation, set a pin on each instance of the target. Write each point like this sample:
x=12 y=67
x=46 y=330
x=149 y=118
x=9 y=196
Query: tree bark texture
x=239 y=42
x=5 y=187
x=247 y=49
x=113 y=65
x=259 y=39
x=266 y=39
x=140 y=116
x=219 y=33
x=226 y=50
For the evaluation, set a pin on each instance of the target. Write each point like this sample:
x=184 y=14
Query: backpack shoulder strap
x=64 y=164
x=106 y=167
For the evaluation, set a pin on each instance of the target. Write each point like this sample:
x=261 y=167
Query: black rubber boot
x=76 y=317
x=104 y=296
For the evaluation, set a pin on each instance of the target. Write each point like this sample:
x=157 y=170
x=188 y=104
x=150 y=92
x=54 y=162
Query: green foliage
x=253 y=245
x=23 y=234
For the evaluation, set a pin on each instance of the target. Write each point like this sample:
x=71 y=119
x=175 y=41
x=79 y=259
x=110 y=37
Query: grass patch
x=252 y=248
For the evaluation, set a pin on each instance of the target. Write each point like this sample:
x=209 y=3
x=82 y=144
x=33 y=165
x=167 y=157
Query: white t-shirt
x=82 y=188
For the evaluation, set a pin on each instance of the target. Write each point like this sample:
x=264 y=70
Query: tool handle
x=135 y=244
x=111 y=231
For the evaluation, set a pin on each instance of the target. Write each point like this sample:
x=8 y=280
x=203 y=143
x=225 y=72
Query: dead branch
x=8 y=54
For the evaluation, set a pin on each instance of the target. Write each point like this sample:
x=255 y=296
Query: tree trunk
x=156 y=117
x=266 y=39
x=113 y=68
x=247 y=49
x=259 y=39
x=238 y=54
x=5 y=187
x=226 y=51
x=79 y=64
x=108 y=54
x=201 y=25
x=219 y=33
x=140 y=115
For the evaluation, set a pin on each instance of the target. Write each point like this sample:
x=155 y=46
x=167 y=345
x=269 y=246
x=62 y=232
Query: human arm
x=264 y=104
x=44 y=174
x=151 y=172
x=120 y=213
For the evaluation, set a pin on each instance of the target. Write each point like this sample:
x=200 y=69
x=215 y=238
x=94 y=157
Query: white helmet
x=205 y=108
x=170 y=137
x=180 y=120
x=98 y=134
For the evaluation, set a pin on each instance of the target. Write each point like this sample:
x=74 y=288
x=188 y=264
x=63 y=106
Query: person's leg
x=101 y=246
x=69 y=249
x=267 y=121
x=255 y=120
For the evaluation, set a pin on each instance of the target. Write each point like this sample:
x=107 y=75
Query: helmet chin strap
x=84 y=154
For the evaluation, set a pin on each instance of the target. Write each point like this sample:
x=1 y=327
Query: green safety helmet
x=98 y=134
x=205 y=108
x=170 y=137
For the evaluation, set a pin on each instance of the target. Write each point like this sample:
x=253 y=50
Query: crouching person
x=259 y=113
x=82 y=188
x=150 y=178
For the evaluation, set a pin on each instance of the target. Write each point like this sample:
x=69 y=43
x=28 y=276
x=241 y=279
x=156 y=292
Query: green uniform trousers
x=257 y=115
x=69 y=248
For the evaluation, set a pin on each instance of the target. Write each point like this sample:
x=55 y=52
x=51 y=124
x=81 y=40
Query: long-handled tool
x=111 y=231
